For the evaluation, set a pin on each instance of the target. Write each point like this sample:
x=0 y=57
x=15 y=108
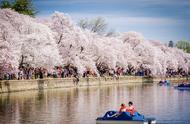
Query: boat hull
x=183 y=88
x=120 y=122
x=126 y=122
x=124 y=118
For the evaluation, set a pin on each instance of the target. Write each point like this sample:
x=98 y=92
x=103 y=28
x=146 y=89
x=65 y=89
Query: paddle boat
x=165 y=83
x=183 y=86
x=112 y=117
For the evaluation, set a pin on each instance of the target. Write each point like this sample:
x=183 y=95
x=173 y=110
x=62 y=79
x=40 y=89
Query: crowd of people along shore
x=28 y=72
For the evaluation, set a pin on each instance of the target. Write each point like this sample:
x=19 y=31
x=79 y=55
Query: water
x=83 y=105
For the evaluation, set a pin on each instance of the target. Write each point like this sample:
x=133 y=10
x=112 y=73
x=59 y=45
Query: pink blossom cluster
x=59 y=41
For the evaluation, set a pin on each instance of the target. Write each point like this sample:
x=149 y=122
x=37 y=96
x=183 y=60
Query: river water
x=84 y=105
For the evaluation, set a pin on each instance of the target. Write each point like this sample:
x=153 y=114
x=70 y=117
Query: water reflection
x=83 y=105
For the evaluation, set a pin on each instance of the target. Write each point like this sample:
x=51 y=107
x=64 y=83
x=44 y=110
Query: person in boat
x=131 y=108
x=123 y=108
x=182 y=84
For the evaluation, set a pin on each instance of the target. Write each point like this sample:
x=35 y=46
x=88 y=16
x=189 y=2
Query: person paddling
x=123 y=108
x=131 y=108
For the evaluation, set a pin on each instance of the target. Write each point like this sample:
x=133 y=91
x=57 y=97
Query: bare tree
x=83 y=23
x=96 y=25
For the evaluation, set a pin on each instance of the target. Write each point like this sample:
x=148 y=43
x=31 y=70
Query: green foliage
x=5 y=4
x=185 y=45
x=24 y=7
x=21 y=6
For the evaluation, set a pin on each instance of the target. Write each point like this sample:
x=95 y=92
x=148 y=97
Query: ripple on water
x=83 y=105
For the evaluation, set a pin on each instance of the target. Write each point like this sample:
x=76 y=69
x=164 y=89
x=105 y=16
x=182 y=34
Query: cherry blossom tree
x=59 y=41
x=129 y=48
x=21 y=35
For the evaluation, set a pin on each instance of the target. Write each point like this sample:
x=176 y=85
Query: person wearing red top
x=131 y=108
x=123 y=108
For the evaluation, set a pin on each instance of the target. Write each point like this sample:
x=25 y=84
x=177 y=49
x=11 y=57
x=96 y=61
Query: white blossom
x=58 y=41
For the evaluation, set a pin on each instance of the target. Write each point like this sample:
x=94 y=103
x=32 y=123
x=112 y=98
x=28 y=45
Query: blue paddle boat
x=112 y=117
x=183 y=86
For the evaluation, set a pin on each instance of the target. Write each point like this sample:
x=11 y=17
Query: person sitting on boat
x=131 y=108
x=123 y=108
x=182 y=84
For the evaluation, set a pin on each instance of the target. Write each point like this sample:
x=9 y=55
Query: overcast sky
x=162 y=20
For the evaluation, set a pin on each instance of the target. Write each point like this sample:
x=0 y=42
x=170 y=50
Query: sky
x=162 y=20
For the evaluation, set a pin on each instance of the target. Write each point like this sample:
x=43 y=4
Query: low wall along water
x=50 y=83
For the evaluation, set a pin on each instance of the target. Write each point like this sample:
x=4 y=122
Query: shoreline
x=7 y=86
